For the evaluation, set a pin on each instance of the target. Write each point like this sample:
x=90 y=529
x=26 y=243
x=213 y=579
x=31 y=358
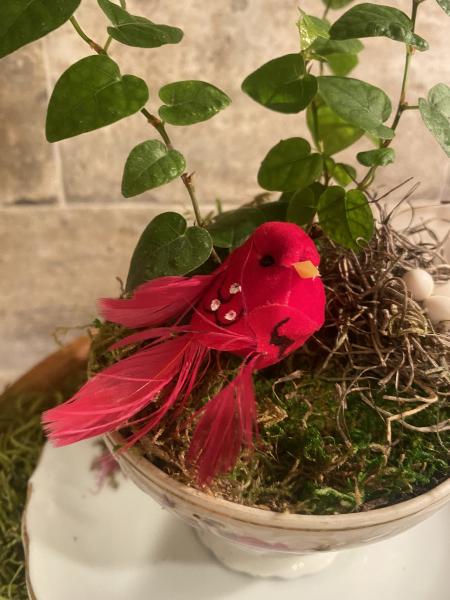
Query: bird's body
x=262 y=303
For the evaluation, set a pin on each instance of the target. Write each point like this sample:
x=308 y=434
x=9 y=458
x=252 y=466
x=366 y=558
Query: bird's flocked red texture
x=257 y=305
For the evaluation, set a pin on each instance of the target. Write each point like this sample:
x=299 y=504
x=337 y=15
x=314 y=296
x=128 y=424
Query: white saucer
x=117 y=544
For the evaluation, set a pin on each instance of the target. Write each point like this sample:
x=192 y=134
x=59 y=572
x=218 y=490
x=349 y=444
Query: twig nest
x=419 y=283
x=438 y=309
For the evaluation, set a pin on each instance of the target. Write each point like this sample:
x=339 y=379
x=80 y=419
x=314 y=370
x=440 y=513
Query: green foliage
x=290 y=166
x=22 y=21
x=150 y=165
x=231 y=229
x=435 y=113
x=311 y=28
x=168 y=247
x=371 y=20
x=346 y=217
x=138 y=31
x=92 y=94
x=359 y=103
x=282 y=84
x=189 y=102
x=336 y=3
x=333 y=132
x=445 y=5
x=343 y=174
x=302 y=205
x=341 y=55
x=379 y=157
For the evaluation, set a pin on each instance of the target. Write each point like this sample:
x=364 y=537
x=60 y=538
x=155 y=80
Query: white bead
x=231 y=315
x=419 y=283
x=438 y=308
x=215 y=304
x=235 y=288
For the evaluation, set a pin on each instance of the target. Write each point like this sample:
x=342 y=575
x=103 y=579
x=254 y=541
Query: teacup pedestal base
x=263 y=563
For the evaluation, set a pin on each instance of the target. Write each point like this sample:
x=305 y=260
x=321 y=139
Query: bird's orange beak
x=306 y=269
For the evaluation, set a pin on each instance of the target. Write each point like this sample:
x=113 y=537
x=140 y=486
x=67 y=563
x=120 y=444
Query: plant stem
x=85 y=37
x=107 y=43
x=315 y=120
x=156 y=123
x=402 y=103
x=327 y=9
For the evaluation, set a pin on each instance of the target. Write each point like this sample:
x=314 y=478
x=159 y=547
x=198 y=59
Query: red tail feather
x=115 y=395
x=228 y=424
x=155 y=302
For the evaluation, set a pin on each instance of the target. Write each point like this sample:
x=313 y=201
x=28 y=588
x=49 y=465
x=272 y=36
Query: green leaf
x=326 y=47
x=379 y=157
x=371 y=20
x=336 y=3
x=189 y=102
x=342 y=64
x=138 y=31
x=303 y=204
x=168 y=247
x=150 y=165
x=435 y=113
x=231 y=229
x=335 y=134
x=445 y=5
x=341 y=55
x=358 y=103
x=344 y=174
x=282 y=84
x=310 y=29
x=290 y=166
x=346 y=217
x=91 y=94
x=24 y=21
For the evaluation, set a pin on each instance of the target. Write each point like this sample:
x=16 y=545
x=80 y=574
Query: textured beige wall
x=66 y=231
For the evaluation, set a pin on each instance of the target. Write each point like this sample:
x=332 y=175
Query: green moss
x=21 y=440
x=314 y=457
x=321 y=460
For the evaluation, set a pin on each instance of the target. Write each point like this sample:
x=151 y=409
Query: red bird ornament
x=262 y=303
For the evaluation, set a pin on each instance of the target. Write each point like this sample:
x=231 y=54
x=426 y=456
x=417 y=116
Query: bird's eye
x=267 y=260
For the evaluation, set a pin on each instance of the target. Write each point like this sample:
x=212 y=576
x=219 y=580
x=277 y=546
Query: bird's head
x=280 y=246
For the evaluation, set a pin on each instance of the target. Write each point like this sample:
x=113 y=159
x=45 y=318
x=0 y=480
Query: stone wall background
x=65 y=230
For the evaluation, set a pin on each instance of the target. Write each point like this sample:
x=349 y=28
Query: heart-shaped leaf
x=231 y=229
x=445 y=5
x=302 y=205
x=371 y=20
x=311 y=28
x=282 y=84
x=435 y=113
x=334 y=133
x=24 y=21
x=91 y=94
x=150 y=165
x=358 y=103
x=290 y=166
x=341 y=55
x=189 y=102
x=168 y=247
x=379 y=157
x=346 y=217
x=138 y=31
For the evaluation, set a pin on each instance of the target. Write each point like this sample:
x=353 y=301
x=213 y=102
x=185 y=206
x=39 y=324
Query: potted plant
x=281 y=413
